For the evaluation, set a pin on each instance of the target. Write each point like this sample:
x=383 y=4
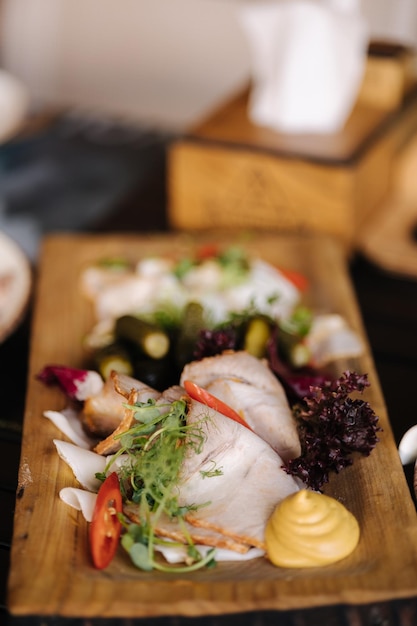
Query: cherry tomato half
x=105 y=527
x=201 y=395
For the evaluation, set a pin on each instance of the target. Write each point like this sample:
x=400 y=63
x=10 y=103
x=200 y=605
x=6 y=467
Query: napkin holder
x=227 y=173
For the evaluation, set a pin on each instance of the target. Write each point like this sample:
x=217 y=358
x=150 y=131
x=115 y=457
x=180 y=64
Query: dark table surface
x=389 y=309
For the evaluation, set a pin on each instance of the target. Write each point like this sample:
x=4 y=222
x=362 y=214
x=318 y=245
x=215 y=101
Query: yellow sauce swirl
x=310 y=529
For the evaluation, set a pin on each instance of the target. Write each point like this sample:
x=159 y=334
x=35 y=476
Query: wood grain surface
x=388 y=238
x=51 y=573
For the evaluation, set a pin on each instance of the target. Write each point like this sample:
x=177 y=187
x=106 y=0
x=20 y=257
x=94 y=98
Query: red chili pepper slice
x=105 y=527
x=201 y=395
x=296 y=278
x=207 y=251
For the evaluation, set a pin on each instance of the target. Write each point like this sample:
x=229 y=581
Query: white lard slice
x=79 y=499
x=68 y=422
x=84 y=463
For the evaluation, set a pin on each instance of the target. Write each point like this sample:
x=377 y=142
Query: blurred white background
x=166 y=62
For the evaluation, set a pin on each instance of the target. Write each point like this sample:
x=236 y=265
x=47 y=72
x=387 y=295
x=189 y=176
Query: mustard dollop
x=310 y=529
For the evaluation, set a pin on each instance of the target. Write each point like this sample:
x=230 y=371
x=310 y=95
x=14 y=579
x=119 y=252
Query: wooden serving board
x=51 y=573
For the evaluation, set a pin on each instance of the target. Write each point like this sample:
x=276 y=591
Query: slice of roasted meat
x=247 y=385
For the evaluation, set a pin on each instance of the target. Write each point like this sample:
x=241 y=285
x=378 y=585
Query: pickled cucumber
x=113 y=357
x=192 y=323
x=152 y=340
x=256 y=336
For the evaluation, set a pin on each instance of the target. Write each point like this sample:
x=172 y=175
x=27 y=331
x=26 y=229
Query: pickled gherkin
x=152 y=340
x=113 y=357
x=192 y=323
x=257 y=333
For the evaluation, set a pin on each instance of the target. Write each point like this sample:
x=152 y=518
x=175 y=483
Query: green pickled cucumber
x=152 y=340
x=193 y=321
x=113 y=357
x=257 y=333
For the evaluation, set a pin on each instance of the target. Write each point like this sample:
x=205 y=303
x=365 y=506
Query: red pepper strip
x=296 y=278
x=201 y=395
x=105 y=527
x=207 y=251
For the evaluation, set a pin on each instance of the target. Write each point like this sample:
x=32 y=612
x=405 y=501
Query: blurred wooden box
x=389 y=75
x=228 y=173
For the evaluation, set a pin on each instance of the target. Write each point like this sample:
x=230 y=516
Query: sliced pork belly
x=235 y=501
x=125 y=384
x=131 y=391
x=247 y=385
x=238 y=501
x=232 y=364
x=176 y=392
x=111 y=444
x=102 y=413
x=235 y=505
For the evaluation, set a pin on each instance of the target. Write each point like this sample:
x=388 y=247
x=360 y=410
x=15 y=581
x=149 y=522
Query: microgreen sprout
x=156 y=446
x=214 y=471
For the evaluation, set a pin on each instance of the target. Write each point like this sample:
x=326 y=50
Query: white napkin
x=308 y=58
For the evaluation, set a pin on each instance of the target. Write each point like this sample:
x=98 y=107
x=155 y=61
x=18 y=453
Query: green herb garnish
x=299 y=322
x=215 y=471
x=235 y=265
x=156 y=446
x=114 y=263
x=233 y=262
